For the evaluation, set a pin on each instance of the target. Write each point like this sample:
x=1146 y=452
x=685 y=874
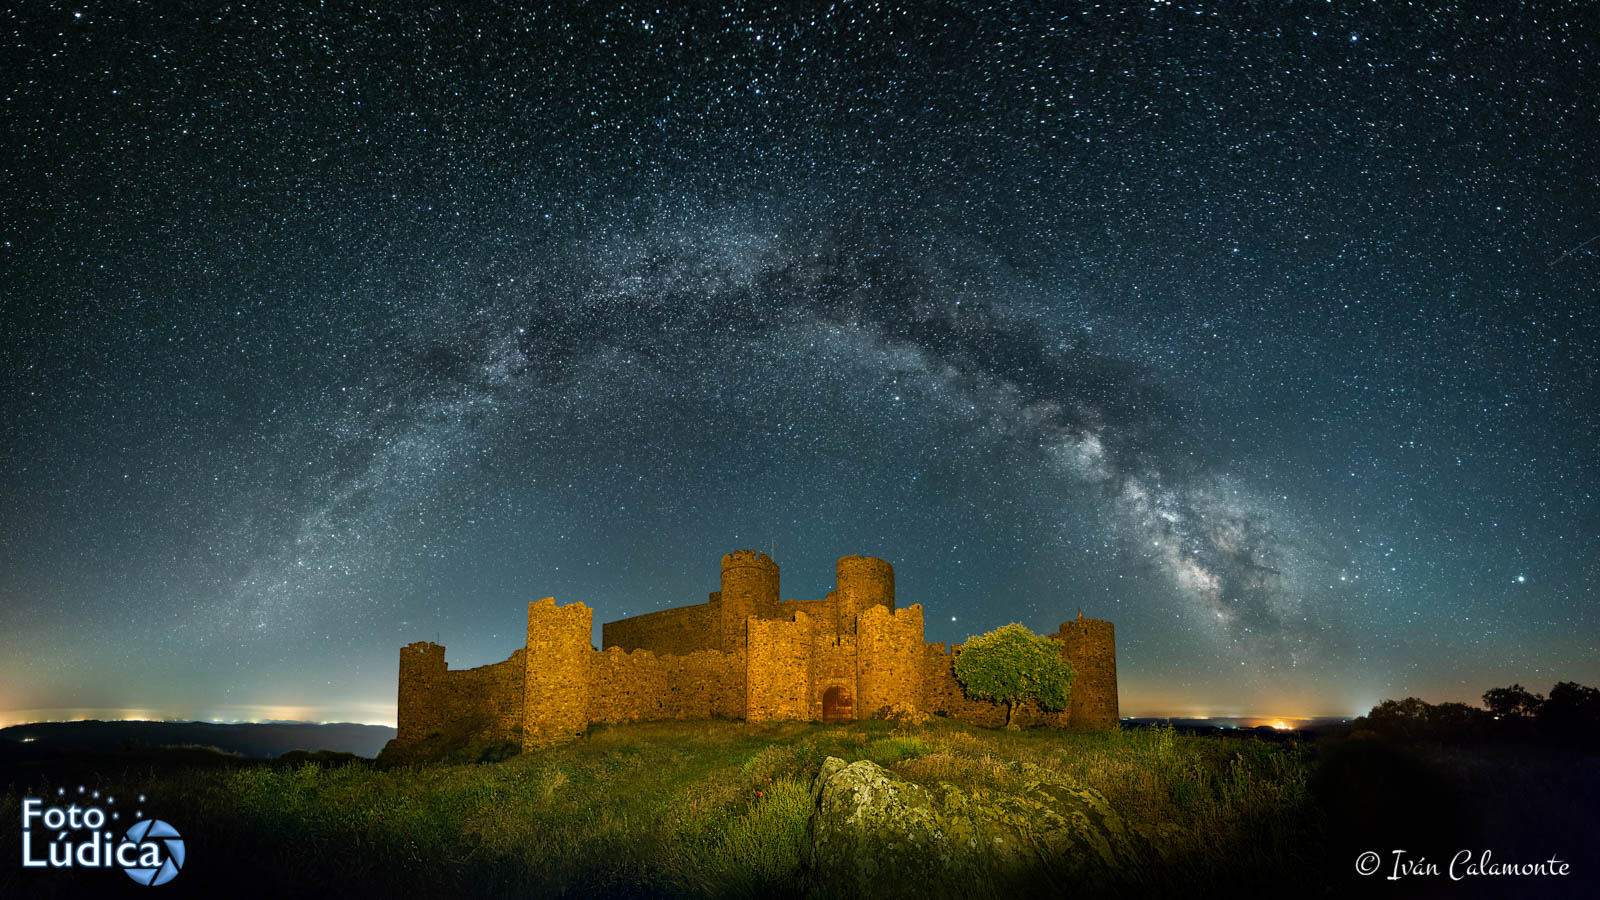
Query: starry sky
x=1265 y=331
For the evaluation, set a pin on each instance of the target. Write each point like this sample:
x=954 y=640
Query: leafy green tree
x=1011 y=664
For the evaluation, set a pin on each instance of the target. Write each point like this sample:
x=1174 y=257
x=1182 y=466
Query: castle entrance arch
x=836 y=706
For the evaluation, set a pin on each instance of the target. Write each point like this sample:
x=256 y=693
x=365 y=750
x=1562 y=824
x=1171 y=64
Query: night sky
x=1267 y=333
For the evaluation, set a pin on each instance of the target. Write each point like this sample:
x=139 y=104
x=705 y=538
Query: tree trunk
x=1011 y=710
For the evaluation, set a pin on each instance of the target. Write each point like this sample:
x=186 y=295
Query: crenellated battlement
x=855 y=565
x=422 y=656
x=1087 y=628
x=739 y=558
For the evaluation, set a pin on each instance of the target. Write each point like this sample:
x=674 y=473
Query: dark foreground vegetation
x=721 y=809
x=1570 y=716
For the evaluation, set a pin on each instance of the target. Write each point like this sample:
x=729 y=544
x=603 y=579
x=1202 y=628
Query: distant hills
x=266 y=739
x=1297 y=728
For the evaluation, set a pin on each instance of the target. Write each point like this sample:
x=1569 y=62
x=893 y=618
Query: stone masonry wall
x=778 y=681
x=1091 y=646
x=557 y=672
x=486 y=700
x=421 y=668
x=824 y=613
x=833 y=664
x=678 y=631
x=640 y=686
x=889 y=664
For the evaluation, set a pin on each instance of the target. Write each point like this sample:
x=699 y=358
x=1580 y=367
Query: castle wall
x=778 y=681
x=557 y=672
x=486 y=701
x=824 y=614
x=1091 y=646
x=889 y=659
x=641 y=685
x=679 y=631
x=945 y=695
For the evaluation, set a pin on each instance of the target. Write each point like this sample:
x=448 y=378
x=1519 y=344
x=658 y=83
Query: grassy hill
x=715 y=809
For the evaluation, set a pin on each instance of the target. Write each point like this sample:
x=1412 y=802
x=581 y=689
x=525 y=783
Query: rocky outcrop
x=872 y=834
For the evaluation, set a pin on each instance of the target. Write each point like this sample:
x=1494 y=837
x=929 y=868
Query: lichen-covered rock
x=872 y=834
x=869 y=828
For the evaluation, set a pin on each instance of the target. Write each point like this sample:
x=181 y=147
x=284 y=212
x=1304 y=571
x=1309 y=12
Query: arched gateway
x=836 y=705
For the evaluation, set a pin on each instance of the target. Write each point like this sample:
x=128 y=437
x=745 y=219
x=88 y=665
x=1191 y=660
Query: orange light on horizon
x=354 y=713
x=1279 y=723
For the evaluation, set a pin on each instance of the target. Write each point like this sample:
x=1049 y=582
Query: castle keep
x=743 y=654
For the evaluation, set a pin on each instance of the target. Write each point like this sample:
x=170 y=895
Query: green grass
x=686 y=809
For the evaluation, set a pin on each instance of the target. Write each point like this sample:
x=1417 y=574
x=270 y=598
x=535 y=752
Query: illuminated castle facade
x=743 y=654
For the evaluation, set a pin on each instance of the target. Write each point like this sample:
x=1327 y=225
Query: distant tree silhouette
x=1414 y=719
x=1512 y=702
x=1457 y=720
x=1572 y=713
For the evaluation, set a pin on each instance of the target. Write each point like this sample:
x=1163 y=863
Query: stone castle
x=743 y=654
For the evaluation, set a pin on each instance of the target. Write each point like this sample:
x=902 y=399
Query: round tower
x=749 y=588
x=1091 y=646
x=862 y=581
